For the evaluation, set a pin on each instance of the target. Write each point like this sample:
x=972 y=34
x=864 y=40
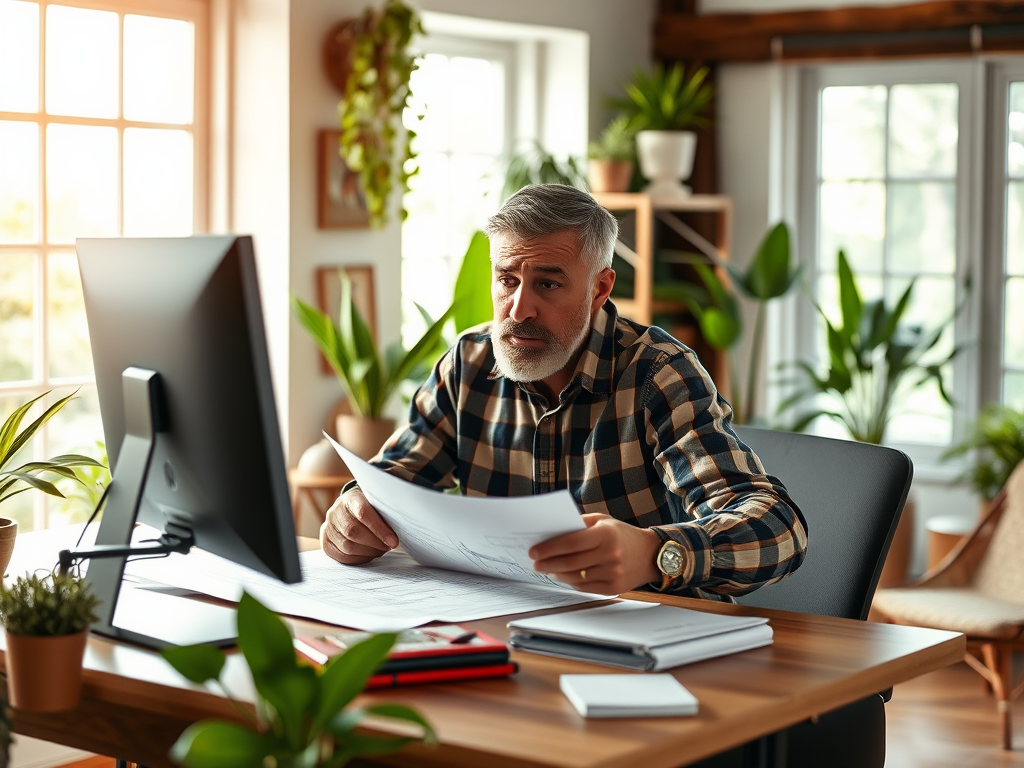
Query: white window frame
x=965 y=74
x=194 y=11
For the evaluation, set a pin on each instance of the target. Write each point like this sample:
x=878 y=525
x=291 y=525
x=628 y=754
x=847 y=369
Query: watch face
x=670 y=560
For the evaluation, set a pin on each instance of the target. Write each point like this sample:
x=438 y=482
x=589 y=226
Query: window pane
x=1015 y=228
x=474 y=193
x=923 y=130
x=157 y=182
x=1013 y=389
x=922 y=227
x=430 y=89
x=920 y=415
x=81 y=182
x=425 y=231
x=158 y=69
x=81 y=62
x=19 y=182
x=77 y=426
x=1015 y=133
x=852 y=218
x=19 y=56
x=17 y=329
x=67 y=332
x=853 y=132
x=477 y=123
x=932 y=303
x=1013 y=337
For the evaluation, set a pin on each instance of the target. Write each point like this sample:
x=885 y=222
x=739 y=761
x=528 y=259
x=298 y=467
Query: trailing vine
x=376 y=92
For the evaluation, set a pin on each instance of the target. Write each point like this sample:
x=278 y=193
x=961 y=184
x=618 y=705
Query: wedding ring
x=583 y=574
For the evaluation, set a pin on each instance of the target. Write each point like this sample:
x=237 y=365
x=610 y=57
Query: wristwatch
x=671 y=561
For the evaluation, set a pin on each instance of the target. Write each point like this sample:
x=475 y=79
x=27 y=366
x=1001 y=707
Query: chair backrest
x=1000 y=573
x=851 y=495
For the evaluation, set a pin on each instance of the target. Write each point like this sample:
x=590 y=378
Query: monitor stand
x=135 y=614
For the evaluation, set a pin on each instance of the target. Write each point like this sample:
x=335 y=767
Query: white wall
x=620 y=39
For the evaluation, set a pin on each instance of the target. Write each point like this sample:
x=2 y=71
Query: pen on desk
x=465 y=637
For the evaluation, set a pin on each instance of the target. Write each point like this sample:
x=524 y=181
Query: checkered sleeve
x=739 y=526
x=425 y=452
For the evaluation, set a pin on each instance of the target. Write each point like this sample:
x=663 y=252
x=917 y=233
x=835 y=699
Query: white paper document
x=627 y=695
x=485 y=535
x=390 y=594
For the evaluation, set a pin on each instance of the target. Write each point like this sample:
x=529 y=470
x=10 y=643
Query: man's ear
x=603 y=284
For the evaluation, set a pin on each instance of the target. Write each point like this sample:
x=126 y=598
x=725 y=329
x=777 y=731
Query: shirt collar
x=596 y=367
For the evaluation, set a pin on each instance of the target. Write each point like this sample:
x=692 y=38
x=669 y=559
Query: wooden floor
x=947 y=719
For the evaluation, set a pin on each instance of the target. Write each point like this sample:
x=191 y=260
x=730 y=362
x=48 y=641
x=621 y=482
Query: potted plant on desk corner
x=301 y=716
x=46 y=624
x=368 y=378
x=610 y=166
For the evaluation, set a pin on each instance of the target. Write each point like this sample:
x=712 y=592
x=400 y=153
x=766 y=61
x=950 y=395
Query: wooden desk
x=134 y=705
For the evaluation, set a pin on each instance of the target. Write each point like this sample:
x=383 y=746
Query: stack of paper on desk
x=467 y=559
x=626 y=695
x=638 y=635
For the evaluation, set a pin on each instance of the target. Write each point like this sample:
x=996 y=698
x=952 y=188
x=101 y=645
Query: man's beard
x=527 y=364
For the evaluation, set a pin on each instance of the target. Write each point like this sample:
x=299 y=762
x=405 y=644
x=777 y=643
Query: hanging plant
x=369 y=61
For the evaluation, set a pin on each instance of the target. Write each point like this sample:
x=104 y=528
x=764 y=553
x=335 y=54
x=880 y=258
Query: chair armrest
x=958 y=567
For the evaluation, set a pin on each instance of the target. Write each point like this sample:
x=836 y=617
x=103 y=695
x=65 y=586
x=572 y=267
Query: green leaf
x=219 y=744
x=35 y=482
x=198 y=663
x=346 y=675
x=292 y=692
x=769 y=275
x=423 y=348
x=472 y=296
x=849 y=298
x=263 y=639
x=407 y=714
x=9 y=431
x=720 y=329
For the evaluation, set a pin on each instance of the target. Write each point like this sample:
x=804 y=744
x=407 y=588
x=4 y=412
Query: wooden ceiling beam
x=929 y=28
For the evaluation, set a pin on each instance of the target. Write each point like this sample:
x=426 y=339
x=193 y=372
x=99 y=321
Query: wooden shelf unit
x=647 y=211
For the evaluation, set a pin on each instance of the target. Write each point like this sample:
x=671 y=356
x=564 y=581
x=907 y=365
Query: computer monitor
x=185 y=392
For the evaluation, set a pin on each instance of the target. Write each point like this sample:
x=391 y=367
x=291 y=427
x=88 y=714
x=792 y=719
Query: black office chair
x=851 y=495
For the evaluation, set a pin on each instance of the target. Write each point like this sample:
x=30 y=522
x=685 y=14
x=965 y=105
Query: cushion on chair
x=1000 y=574
x=961 y=609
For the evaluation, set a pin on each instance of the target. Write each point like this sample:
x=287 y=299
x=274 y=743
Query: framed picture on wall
x=341 y=203
x=328 y=296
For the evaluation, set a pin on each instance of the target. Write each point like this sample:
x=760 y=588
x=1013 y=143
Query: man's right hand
x=353 y=533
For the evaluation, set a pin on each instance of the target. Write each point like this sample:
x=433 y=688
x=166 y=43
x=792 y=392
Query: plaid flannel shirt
x=640 y=433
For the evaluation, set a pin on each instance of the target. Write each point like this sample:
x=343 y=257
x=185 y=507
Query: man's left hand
x=608 y=558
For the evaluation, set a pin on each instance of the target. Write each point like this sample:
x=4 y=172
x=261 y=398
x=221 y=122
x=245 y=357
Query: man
x=560 y=392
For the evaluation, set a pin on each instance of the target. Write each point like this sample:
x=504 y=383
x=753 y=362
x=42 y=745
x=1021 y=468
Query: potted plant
x=368 y=59
x=997 y=438
x=300 y=715
x=38 y=475
x=46 y=623
x=661 y=107
x=532 y=164
x=368 y=378
x=872 y=356
x=611 y=157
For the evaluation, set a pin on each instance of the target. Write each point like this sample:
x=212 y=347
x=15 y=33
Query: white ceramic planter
x=666 y=160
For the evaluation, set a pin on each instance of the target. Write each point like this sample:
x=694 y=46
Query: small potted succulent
x=611 y=157
x=46 y=623
x=302 y=715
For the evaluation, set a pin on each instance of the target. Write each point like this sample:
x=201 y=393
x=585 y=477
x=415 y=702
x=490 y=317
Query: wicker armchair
x=978 y=589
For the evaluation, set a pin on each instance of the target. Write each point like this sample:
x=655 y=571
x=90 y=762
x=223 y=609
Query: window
x=888 y=183
x=462 y=88
x=100 y=136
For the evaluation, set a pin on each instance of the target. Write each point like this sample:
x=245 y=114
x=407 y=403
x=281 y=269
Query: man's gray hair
x=543 y=209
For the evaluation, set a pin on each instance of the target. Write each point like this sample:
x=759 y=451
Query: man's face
x=543 y=298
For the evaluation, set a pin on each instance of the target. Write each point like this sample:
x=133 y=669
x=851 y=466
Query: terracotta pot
x=364 y=437
x=8 y=534
x=44 y=674
x=897 y=562
x=609 y=175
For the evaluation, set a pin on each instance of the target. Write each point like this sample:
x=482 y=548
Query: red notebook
x=420 y=654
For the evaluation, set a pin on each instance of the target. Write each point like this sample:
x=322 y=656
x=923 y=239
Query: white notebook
x=628 y=695
x=638 y=635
